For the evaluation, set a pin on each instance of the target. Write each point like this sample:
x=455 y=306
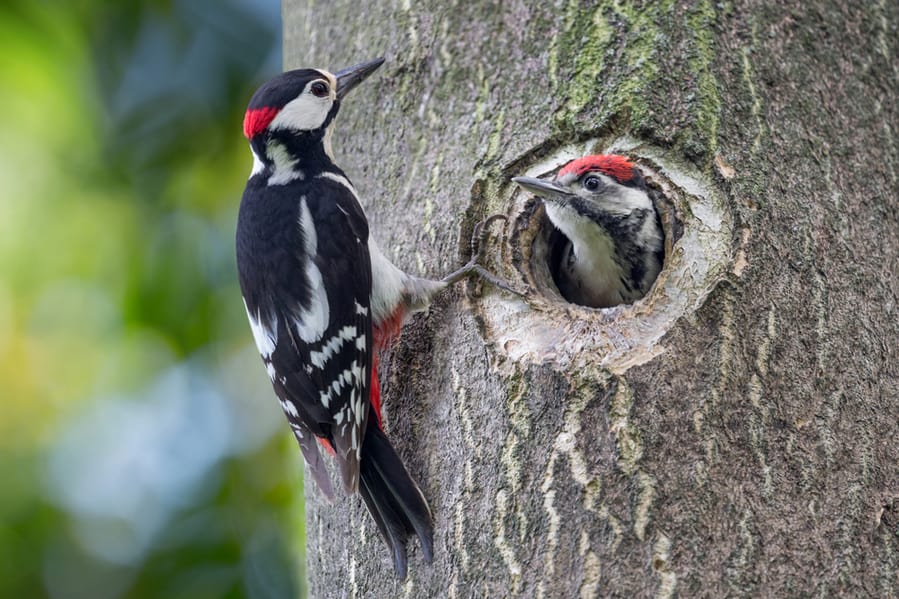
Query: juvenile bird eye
x=592 y=183
x=320 y=89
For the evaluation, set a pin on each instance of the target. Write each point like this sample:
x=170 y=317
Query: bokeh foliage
x=141 y=451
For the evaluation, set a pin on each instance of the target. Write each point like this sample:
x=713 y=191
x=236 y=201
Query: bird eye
x=592 y=183
x=320 y=89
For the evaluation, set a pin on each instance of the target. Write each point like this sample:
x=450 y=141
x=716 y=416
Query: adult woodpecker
x=614 y=243
x=322 y=298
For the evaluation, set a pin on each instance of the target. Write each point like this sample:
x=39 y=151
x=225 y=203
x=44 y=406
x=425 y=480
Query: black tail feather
x=394 y=500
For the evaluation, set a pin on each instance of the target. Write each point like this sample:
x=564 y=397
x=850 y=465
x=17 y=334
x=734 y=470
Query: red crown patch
x=618 y=167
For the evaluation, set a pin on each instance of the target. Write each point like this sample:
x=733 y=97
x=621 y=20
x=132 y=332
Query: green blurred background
x=142 y=453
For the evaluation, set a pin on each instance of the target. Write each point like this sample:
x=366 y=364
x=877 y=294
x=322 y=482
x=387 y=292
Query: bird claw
x=480 y=232
x=473 y=267
x=477 y=269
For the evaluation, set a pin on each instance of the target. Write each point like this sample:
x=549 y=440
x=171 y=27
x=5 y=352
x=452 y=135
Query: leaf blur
x=141 y=450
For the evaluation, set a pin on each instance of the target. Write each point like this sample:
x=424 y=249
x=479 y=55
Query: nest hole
x=548 y=245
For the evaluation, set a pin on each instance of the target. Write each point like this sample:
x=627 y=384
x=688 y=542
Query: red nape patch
x=618 y=167
x=257 y=119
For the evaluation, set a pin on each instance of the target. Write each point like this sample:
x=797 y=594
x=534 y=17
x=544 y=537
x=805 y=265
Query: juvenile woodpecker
x=614 y=243
x=322 y=298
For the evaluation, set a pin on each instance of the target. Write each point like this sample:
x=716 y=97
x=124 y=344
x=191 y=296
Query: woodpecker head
x=614 y=242
x=302 y=102
x=586 y=186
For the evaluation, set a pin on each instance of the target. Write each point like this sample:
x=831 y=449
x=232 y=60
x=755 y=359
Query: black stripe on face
x=280 y=90
x=332 y=114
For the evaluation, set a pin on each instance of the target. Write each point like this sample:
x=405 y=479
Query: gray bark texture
x=734 y=433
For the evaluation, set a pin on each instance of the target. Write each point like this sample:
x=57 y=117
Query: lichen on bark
x=763 y=422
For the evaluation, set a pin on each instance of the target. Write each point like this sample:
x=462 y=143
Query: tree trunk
x=734 y=433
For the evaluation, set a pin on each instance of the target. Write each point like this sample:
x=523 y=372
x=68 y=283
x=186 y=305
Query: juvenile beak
x=350 y=77
x=545 y=189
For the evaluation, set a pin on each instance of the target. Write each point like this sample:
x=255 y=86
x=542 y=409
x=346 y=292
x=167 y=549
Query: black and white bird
x=614 y=245
x=322 y=298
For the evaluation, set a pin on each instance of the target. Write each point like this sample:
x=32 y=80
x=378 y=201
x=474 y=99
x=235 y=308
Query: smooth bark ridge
x=732 y=434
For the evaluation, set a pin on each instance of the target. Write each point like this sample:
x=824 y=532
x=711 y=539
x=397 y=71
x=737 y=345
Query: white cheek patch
x=304 y=113
x=633 y=199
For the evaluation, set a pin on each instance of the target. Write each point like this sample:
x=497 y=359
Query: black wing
x=316 y=319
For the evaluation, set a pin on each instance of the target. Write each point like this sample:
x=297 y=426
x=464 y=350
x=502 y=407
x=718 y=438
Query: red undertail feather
x=384 y=334
x=327 y=445
x=391 y=495
x=389 y=329
x=618 y=167
x=257 y=119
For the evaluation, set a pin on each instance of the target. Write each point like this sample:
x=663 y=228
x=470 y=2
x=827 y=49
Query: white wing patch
x=307 y=226
x=357 y=413
x=354 y=432
x=289 y=408
x=264 y=334
x=311 y=322
x=358 y=410
x=351 y=377
x=333 y=345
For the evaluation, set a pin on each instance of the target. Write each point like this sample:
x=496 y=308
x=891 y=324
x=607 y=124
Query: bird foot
x=474 y=267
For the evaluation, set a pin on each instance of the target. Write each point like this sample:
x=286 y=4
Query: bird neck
x=283 y=156
x=608 y=249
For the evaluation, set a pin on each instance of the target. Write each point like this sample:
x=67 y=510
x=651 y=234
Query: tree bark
x=735 y=432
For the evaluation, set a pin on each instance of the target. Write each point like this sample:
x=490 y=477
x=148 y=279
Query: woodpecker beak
x=545 y=189
x=352 y=76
